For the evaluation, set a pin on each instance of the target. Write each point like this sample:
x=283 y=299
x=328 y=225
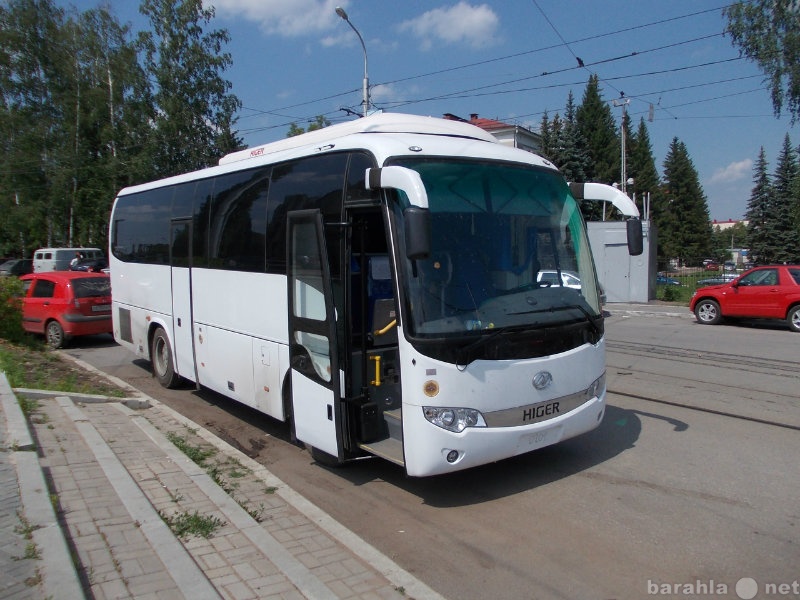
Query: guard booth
x=625 y=278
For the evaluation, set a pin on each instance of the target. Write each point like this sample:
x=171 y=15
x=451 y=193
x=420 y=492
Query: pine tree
x=545 y=135
x=597 y=127
x=686 y=231
x=572 y=154
x=759 y=237
x=597 y=130
x=194 y=109
x=785 y=237
x=642 y=168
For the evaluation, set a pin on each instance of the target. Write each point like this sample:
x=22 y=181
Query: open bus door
x=315 y=379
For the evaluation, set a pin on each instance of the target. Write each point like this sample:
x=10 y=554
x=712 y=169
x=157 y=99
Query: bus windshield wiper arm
x=585 y=312
x=462 y=357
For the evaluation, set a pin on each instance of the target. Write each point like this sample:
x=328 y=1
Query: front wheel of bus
x=161 y=357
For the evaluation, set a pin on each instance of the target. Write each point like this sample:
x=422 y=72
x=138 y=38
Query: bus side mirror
x=417 y=232
x=635 y=237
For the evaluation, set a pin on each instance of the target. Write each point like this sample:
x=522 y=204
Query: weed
x=28 y=406
x=185 y=524
x=196 y=454
x=25 y=529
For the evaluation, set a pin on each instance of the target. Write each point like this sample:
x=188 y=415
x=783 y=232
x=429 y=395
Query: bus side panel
x=240 y=336
x=225 y=362
x=143 y=286
x=251 y=303
x=267 y=377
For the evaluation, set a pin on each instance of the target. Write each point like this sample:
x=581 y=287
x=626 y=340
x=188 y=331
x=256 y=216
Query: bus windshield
x=509 y=250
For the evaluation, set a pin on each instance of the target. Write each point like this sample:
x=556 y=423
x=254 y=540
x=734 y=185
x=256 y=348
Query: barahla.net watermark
x=746 y=588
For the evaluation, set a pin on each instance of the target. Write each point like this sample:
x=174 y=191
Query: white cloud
x=462 y=23
x=736 y=171
x=288 y=18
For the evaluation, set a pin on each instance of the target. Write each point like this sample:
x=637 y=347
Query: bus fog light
x=453 y=419
x=597 y=388
x=452 y=456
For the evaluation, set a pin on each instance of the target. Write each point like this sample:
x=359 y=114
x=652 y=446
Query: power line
x=482 y=63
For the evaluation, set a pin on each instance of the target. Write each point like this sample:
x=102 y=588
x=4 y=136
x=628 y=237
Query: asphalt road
x=688 y=488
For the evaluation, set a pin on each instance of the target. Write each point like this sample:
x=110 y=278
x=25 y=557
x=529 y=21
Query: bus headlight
x=453 y=419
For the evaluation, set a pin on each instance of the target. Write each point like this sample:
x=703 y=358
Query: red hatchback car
x=65 y=304
x=771 y=292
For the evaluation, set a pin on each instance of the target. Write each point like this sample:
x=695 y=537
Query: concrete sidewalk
x=98 y=501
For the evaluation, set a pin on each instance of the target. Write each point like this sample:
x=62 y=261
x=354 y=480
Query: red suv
x=764 y=292
x=65 y=304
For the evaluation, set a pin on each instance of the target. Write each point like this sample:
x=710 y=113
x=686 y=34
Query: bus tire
x=161 y=357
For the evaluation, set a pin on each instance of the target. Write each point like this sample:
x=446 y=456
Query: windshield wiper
x=585 y=312
x=463 y=354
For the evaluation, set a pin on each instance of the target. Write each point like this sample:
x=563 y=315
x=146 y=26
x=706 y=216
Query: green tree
x=194 y=109
x=319 y=122
x=686 y=233
x=597 y=130
x=573 y=159
x=547 y=148
x=642 y=168
x=768 y=33
x=724 y=240
x=785 y=235
x=31 y=122
x=759 y=222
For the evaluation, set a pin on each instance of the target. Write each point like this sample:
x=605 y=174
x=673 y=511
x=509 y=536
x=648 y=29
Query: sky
x=510 y=60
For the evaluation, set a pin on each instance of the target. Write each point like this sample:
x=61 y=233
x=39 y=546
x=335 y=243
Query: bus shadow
x=618 y=433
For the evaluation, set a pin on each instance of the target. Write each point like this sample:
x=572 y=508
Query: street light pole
x=365 y=91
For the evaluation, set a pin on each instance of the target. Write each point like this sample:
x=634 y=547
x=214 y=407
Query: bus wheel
x=161 y=357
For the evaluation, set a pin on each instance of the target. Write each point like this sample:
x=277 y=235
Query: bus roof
x=376 y=123
x=400 y=134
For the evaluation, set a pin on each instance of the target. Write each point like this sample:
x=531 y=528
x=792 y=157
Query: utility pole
x=623 y=102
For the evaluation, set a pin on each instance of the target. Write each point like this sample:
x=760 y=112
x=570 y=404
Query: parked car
x=63 y=304
x=729 y=266
x=92 y=265
x=16 y=267
x=770 y=292
x=711 y=266
x=60 y=259
x=568 y=278
x=718 y=279
x=662 y=279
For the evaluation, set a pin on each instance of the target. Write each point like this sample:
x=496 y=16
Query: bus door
x=316 y=387
x=182 y=320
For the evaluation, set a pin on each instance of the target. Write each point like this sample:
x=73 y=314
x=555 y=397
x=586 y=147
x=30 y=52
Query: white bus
x=373 y=283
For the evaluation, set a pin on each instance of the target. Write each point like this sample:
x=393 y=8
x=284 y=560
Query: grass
x=185 y=524
x=34 y=367
x=218 y=470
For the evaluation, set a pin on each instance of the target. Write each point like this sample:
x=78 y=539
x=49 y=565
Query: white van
x=58 y=259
